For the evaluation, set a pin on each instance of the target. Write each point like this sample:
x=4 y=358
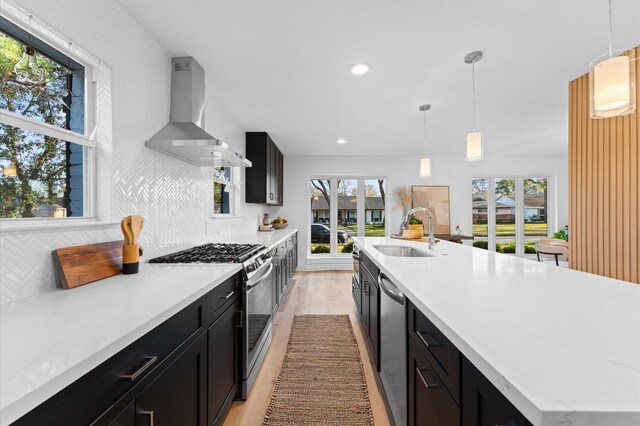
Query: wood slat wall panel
x=604 y=198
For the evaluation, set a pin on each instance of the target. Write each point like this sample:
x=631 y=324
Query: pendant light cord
x=425 y=133
x=473 y=91
x=610 y=37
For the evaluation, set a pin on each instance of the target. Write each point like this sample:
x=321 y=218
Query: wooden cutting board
x=85 y=264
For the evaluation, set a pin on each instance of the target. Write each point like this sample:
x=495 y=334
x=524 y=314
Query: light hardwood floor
x=309 y=293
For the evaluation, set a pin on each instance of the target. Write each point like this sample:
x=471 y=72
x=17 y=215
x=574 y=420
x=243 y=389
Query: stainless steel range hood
x=184 y=136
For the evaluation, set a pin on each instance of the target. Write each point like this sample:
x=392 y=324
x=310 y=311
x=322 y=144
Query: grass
x=508 y=229
x=370 y=230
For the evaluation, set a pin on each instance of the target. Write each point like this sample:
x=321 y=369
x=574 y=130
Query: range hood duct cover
x=184 y=136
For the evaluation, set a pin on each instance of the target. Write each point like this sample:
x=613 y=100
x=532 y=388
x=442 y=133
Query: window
x=341 y=208
x=45 y=151
x=375 y=208
x=536 y=208
x=510 y=215
x=223 y=190
x=480 y=195
x=320 y=241
x=505 y=215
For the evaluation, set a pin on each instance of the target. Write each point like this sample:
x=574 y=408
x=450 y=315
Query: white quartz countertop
x=50 y=340
x=563 y=346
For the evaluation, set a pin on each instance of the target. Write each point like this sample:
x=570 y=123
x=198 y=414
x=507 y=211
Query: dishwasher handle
x=390 y=289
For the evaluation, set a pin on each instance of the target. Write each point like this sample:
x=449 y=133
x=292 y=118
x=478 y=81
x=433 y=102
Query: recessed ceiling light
x=341 y=141
x=359 y=69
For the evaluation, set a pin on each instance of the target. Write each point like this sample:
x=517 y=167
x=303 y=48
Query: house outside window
x=341 y=208
x=510 y=215
x=46 y=153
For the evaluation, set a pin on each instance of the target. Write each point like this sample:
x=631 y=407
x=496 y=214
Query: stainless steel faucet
x=405 y=224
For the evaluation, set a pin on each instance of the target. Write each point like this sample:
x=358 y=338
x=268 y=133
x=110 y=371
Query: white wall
x=176 y=198
x=403 y=170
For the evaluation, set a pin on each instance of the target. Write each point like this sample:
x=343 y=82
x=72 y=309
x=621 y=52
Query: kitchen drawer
x=429 y=402
x=223 y=296
x=371 y=267
x=96 y=391
x=441 y=353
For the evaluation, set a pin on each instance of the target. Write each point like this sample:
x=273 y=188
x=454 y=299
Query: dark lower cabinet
x=429 y=404
x=483 y=404
x=285 y=264
x=223 y=367
x=183 y=372
x=374 y=321
x=126 y=417
x=370 y=312
x=178 y=396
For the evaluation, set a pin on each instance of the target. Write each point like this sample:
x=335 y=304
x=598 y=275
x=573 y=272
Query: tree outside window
x=42 y=175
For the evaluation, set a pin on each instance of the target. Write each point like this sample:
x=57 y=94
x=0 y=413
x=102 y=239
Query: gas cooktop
x=212 y=253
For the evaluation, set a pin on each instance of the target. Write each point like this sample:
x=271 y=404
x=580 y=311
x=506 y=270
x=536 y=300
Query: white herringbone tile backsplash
x=176 y=198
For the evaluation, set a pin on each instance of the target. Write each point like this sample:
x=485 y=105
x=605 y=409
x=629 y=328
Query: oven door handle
x=255 y=281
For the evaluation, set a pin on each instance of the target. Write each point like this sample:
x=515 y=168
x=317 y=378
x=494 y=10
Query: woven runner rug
x=322 y=379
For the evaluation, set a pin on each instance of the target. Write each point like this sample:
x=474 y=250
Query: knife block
x=130 y=259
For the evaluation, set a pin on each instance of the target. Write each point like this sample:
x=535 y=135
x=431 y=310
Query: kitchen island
x=562 y=346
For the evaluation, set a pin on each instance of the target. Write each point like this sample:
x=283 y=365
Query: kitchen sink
x=402 y=251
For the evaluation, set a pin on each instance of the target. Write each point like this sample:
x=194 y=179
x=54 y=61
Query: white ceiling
x=283 y=66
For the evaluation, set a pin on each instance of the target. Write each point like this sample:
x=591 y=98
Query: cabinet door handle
x=240 y=319
x=228 y=296
x=422 y=335
x=150 y=361
x=424 y=381
x=150 y=414
x=271 y=196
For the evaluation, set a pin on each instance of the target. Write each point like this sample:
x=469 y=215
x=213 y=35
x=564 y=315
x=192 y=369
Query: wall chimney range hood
x=184 y=136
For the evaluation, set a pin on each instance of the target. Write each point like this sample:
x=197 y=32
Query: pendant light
x=27 y=69
x=474 y=151
x=425 y=162
x=612 y=79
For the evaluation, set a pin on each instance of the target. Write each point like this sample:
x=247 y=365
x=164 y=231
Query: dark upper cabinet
x=265 y=177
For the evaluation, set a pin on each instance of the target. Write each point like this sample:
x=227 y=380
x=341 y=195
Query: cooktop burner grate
x=211 y=253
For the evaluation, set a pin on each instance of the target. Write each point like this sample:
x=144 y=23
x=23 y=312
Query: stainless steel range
x=257 y=293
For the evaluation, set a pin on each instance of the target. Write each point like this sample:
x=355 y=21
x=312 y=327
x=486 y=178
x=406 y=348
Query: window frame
x=54 y=40
x=519 y=206
x=232 y=185
x=333 y=213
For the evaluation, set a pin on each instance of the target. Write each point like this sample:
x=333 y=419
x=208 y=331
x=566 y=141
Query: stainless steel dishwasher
x=393 y=348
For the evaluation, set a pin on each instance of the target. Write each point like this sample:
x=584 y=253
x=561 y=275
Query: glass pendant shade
x=612 y=79
x=27 y=69
x=474 y=146
x=425 y=167
x=10 y=170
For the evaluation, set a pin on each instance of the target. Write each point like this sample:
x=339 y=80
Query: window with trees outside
x=45 y=150
x=223 y=189
x=510 y=214
x=341 y=208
